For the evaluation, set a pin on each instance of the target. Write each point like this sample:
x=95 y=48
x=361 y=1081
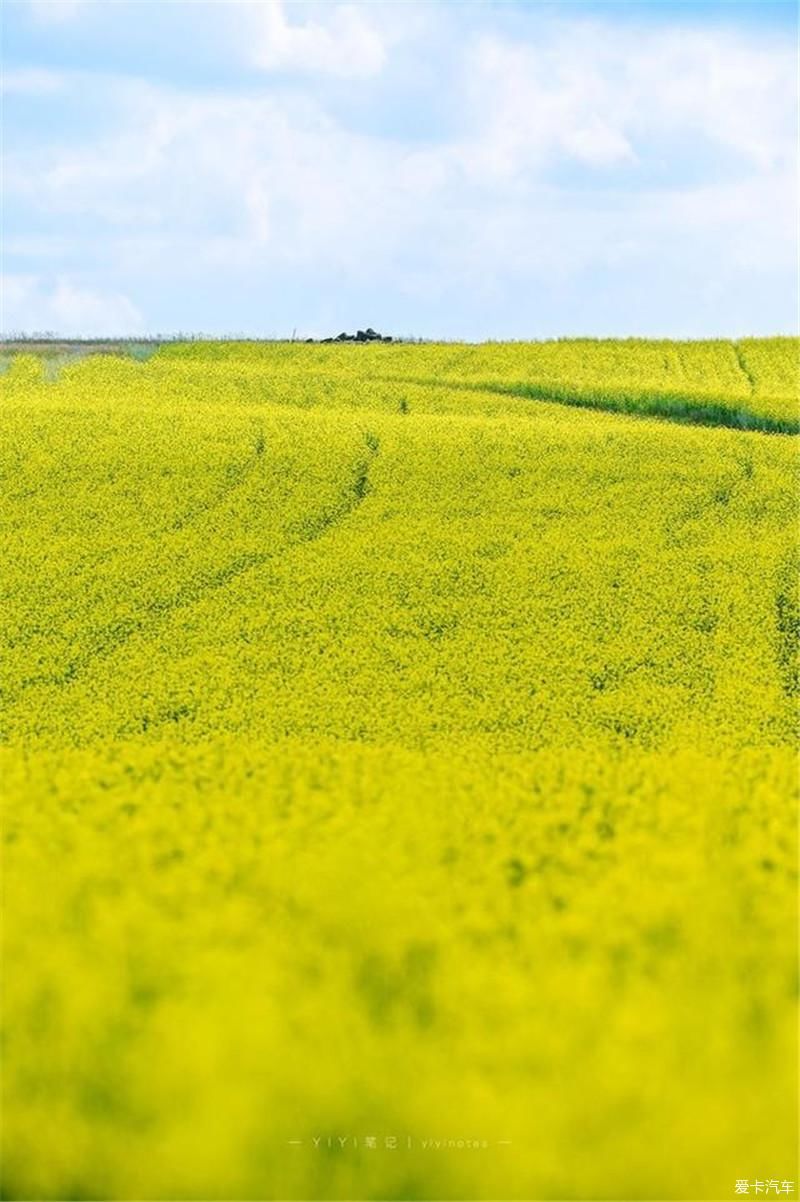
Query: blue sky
x=460 y=170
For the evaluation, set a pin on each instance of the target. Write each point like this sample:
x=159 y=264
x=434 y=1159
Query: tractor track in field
x=105 y=640
x=678 y=408
x=743 y=368
x=237 y=473
x=787 y=628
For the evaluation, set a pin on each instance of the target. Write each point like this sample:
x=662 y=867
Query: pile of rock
x=368 y=335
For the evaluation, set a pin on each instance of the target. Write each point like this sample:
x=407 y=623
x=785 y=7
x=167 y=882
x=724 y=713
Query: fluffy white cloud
x=604 y=95
x=595 y=148
x=339 y=39
x=55 y=12
x=30 y=81
x=64 y=308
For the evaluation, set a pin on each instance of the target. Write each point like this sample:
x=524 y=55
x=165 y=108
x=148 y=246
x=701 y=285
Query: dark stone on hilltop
x=368 y=335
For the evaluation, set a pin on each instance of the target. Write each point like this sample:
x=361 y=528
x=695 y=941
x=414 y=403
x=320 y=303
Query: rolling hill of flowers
x=399 y=785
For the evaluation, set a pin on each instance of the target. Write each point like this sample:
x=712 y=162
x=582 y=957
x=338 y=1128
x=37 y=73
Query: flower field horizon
x=400 y=779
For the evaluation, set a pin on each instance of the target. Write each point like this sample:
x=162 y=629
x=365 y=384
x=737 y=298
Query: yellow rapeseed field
x=398 y=772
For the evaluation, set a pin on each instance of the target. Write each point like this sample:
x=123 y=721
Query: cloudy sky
x=473 y=170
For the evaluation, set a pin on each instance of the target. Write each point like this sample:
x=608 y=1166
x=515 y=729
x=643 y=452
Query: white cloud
x=739 y=92
x=278 y=171
x=55 y=12
x=340 y=40
x=597 y=144
x=602 y=94
x=532 y=183
x=30 y=303
x=30 y=81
